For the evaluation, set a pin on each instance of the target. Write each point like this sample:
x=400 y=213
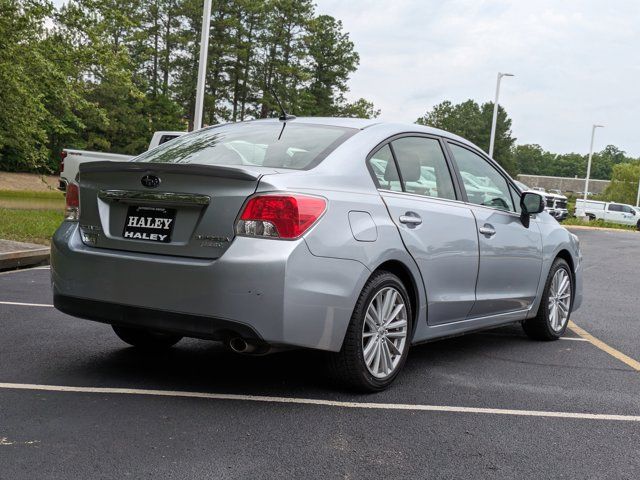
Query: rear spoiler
x=220 y=171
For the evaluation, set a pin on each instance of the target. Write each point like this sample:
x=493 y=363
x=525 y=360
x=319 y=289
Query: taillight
x=72 y=207
x=63 y=155
x=280 y=215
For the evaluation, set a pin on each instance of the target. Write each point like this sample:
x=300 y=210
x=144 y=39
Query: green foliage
x=106 y=74
x=473 y=122
x=33 y=226
x=595 y=223
x=624 y=183
x=533 y=160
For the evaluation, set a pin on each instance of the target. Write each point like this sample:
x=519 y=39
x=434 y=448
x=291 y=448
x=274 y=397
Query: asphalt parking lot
x=487 y=405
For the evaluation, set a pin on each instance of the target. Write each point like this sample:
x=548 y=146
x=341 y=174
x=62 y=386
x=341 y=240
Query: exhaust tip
x=238 y=345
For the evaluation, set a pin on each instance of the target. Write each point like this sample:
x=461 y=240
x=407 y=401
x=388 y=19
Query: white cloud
x=576 y=62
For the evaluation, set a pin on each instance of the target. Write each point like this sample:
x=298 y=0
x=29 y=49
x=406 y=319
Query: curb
x=24 y=255
x=606 y=229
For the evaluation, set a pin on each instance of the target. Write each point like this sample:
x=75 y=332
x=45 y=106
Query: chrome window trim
x=446 y=200
x=160 y=197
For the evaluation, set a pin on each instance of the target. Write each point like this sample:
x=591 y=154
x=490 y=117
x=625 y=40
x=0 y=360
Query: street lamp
x=202 y=65
x=586 y=180
x=495 y=111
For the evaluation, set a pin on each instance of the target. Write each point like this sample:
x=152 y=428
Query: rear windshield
x=264 y=144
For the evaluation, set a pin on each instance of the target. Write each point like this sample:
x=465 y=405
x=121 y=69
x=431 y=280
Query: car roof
x=363 y=123
x=359 y=123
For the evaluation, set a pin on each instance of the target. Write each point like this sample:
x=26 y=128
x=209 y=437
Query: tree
x=104 y=74
x=624 y=183
x=473 y=122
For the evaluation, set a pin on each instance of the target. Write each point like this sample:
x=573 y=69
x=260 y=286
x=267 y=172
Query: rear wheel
x=553 y=314
x=377 y=340
x=638 y=225
x=146 y=339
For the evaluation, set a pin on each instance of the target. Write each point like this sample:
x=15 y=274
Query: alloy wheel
x=559 y=299
x=384 y=332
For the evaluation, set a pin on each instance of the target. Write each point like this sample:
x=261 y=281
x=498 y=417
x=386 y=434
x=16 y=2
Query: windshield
x=265 y=144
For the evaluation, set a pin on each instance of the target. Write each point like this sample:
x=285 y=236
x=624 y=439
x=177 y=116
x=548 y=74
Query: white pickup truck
x=555 y=203
x=71 y=159
x=609 y=212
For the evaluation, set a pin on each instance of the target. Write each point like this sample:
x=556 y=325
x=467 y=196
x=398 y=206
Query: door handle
x=487 y=230
x=410 y=219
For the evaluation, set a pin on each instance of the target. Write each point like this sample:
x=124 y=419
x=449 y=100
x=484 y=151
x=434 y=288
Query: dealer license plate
x=153 y=224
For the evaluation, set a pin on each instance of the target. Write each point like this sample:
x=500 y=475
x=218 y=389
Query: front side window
x=384 y=170
x=423 y=167
x=516 y=199
x=264 y=144
x=483 y=183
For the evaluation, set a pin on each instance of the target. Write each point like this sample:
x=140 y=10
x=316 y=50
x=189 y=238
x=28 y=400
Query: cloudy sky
x=577 y=62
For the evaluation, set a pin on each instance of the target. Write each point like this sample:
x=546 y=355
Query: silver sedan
x=356 y=237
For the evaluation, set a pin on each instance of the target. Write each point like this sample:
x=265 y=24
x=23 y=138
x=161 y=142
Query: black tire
x=638 y=226
x=146 y=339
x=348 y=366
x=539 y=327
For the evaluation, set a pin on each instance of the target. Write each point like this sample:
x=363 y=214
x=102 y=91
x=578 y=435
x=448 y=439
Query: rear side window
x=482 y=182
x=384 y=170
x=296 y=146
x=423 y=167
x=615 y=208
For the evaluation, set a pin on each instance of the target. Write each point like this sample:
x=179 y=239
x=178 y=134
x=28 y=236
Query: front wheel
x=553 y=314
x=638 y=226
x=146 y=339
x=377 y=341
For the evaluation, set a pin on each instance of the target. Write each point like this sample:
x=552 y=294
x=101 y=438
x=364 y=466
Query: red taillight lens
x=63 y=155
x=72 y=210
x=280 y=216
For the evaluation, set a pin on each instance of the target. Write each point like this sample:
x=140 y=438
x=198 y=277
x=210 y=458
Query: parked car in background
x=71 y=159
x=354 y=237
x=555 y=203
x=620 y=213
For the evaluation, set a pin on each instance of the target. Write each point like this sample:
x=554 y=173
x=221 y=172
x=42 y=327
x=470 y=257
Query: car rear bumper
x=268 y=290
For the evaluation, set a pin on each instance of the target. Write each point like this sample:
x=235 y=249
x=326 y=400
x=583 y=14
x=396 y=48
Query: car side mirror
x=530 y=204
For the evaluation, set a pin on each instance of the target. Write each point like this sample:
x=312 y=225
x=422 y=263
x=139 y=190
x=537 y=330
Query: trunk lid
x=169 y=209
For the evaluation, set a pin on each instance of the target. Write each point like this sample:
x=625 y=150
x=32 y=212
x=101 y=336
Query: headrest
x=410 y=167
x=276 y=155
x=390 y=172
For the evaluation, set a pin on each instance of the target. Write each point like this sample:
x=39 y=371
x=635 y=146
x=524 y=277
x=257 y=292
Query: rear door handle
x=410 y=219
x=487 y=230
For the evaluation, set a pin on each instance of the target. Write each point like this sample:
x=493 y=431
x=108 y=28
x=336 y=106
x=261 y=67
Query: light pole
x=202 y=65
x=638 y=195
x=586 y=180
x=494 y=120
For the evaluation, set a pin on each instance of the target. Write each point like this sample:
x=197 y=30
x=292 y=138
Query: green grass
x=22 y=194
x=33 y=226
x=596 y=223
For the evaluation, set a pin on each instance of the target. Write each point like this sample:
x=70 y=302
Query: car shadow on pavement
x=194 y=365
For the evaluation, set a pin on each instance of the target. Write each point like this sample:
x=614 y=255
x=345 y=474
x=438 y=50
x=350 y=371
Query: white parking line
x=319 y=402
x=21 y=304
x=575 y=339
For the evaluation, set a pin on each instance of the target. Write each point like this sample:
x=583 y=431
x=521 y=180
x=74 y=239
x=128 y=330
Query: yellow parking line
x=604 y=347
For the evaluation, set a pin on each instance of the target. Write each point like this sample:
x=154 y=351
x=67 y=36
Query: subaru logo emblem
x=150 y=181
